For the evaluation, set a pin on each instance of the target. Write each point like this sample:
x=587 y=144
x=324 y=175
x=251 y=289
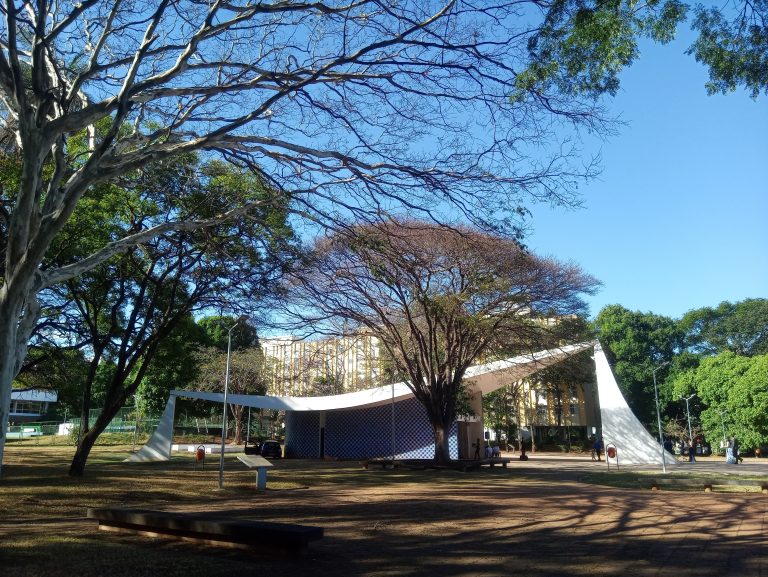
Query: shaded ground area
x=534 y=519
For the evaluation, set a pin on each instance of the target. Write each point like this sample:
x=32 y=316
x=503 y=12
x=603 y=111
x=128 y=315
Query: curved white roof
x=486 y=378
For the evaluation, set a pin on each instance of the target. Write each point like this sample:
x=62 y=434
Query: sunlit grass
x=643 y=480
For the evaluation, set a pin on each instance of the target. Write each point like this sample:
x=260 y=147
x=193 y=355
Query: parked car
x=271 y=450
x=253 y=449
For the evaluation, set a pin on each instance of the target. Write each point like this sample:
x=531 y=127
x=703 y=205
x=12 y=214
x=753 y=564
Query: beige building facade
x=331 y=366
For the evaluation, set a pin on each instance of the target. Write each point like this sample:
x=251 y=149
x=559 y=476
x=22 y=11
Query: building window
x=27 y=408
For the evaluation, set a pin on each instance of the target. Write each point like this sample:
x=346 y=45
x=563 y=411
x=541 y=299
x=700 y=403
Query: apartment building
x=330 y=366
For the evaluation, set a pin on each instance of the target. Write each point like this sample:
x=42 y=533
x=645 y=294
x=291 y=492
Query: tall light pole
x=688 y=412
x=241 y=319
x=658 y=416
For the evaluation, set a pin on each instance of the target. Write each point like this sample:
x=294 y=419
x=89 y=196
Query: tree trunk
x=89 y=435
x=442 y=449
x=237 y=417
x=84 y=446
x=12 y=332
x=6 y=379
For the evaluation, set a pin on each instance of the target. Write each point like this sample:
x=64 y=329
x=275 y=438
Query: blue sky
x=678 y=219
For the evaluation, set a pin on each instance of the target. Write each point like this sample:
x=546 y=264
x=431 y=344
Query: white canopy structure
x=620 y=427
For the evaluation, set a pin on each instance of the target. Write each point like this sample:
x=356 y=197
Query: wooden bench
x=707 y=484
x=205 y=528
x=260 y=464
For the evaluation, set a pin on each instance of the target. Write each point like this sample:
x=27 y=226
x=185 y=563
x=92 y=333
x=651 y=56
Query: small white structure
x=30 y=404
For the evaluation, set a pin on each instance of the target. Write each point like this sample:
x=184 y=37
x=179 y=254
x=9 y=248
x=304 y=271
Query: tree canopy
x=716 y=360
x=132 y=308
x=733 y=43
x=585 y=44
x=437 y=298
x=734 y=390
x=741 y=328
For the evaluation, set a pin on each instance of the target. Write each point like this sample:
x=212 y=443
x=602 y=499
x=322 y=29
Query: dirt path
x=537 y=521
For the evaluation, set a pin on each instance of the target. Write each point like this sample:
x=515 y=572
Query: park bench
x=496 y=461
x=706 y=484
x=471 y=464
x=260 y=464
x=208 y=529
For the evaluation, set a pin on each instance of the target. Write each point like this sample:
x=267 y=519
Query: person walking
x=736 y=454
x=691 y=451
x=598 y=448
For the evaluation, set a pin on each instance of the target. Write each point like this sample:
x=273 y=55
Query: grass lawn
x=642 y=480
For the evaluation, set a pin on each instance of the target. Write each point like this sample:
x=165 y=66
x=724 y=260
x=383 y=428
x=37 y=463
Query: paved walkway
x=579 y=463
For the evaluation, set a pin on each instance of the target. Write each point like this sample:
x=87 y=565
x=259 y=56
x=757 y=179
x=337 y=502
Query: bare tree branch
x=437 y=299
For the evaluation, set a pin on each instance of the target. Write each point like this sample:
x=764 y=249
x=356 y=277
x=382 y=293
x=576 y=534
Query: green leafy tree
x=216 y=333
x=735 y=392
x=741 y=328
x=174 y=366
x=584 y=45
x=128 y=308
x=734 y=45
x=500 y=410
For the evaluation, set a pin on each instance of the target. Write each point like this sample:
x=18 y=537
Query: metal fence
x=131 y=426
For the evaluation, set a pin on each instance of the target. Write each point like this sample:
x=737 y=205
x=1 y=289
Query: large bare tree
x=350 y=106
x=437 y=298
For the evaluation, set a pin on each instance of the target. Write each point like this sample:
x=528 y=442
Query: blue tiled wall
x=365 y=433
x=302 y=434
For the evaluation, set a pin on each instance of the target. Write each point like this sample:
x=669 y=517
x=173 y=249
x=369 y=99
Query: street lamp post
x=688 y=413
x=658 y=416
x=242 y=319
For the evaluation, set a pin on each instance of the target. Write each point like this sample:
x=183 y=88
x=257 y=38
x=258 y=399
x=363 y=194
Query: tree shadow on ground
x=395 y=523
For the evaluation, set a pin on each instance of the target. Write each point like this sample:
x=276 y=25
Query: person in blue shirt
x=598 y=447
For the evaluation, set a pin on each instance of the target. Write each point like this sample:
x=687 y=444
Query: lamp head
x=240 y=320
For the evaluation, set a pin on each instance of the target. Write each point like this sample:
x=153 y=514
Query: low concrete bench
x=503 y=461
x=468 y=464
x=260 y=464
x=707 y=484
x=204 y=528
